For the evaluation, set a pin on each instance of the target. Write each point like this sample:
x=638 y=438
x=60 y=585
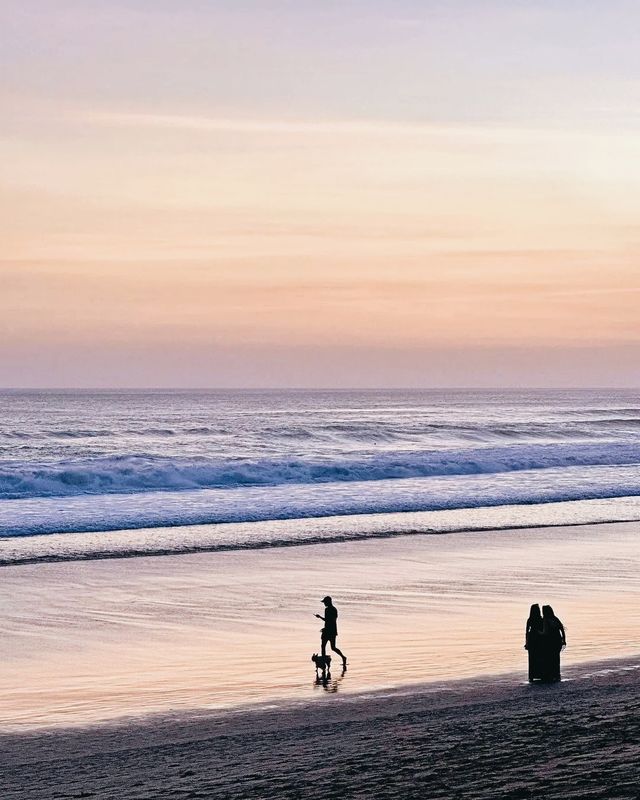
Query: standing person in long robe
x=533 y=642
x=554 y=639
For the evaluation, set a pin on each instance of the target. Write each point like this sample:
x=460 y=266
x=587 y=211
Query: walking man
x=330 y=631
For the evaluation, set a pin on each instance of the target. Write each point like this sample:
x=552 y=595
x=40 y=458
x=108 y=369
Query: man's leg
x=339 y=652
x=323 y=645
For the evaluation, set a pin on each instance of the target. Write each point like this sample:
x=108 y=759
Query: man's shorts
x=329 y=636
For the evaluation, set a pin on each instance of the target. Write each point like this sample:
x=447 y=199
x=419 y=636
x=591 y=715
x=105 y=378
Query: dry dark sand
x=484 y=739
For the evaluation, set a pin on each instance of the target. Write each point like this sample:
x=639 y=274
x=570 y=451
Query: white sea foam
x=298 y=501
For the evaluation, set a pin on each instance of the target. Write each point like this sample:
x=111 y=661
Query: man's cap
x=325 y=599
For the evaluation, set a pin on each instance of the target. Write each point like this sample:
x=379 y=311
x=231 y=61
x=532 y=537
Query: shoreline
x=65 y=546
x=484 y=738
x=435 y=692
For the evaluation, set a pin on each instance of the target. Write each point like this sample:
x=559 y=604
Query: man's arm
x=319 y=617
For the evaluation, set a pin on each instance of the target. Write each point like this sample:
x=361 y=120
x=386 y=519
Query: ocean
x=255 y=505
x=371 y=462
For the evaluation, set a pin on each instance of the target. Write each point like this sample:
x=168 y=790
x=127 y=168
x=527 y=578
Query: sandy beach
x=188 y=676
x=479 y=739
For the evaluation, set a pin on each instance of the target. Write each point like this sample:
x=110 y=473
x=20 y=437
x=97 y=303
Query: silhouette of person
x=554 y=639
x=330 y=631
x=533 y=643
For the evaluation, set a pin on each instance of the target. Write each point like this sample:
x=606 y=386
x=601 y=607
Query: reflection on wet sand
x=328 y=682
x=89 y=641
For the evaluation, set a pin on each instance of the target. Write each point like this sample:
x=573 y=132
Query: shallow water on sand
x=83 y=642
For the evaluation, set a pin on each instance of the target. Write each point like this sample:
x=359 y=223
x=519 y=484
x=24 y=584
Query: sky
x=365 y=193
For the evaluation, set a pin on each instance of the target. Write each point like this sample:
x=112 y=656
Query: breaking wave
x=127 y=474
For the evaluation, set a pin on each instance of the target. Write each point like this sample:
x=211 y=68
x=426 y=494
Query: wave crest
x=143 y=473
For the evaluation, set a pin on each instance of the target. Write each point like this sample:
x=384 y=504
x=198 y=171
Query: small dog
x=322 y=663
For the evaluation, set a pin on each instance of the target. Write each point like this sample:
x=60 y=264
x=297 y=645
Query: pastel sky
x=292 y=193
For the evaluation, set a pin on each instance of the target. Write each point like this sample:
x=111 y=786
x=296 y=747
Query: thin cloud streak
x=195 y=123
x=230 y=125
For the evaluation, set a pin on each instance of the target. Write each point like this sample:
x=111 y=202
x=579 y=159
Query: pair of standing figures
x=544 y=639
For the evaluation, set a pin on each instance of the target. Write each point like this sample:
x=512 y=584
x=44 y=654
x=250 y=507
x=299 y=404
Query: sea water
x=87 y=461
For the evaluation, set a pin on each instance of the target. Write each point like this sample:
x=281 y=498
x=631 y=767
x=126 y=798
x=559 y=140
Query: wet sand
x=484 y=739
x=88 y=642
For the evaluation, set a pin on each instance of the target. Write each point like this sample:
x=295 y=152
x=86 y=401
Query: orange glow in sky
x=393 y=193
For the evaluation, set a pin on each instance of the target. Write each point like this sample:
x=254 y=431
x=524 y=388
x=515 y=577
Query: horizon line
x=313 y=388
